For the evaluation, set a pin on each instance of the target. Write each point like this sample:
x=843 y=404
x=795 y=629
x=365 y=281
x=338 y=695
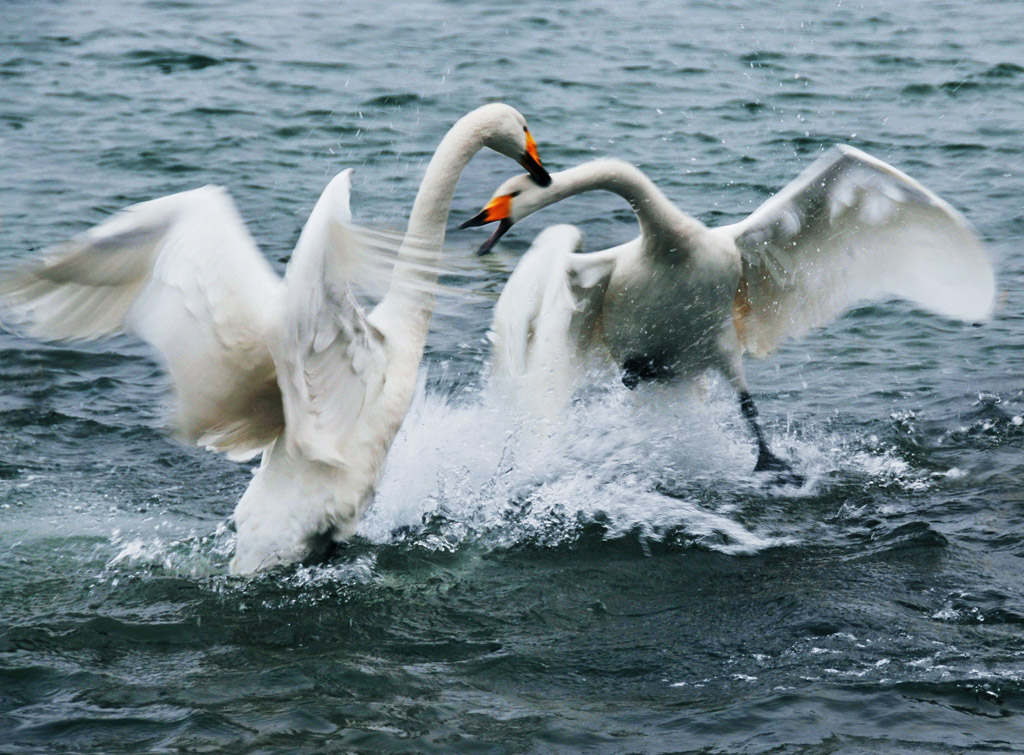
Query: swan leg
x=766 y=460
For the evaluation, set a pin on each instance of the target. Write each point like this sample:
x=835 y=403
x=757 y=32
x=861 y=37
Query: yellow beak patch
x=498 y=208
x=531 y=147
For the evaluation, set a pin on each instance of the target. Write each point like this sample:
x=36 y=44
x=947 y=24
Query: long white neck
x=410 y=297
x=657 y=216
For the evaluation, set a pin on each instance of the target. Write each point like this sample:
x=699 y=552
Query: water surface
x=619 y=584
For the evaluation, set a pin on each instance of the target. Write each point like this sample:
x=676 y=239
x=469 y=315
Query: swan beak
x=531 y=161
x=498 y=209
x=503 y=226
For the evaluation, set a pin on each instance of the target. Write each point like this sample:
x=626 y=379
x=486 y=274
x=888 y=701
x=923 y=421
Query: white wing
x=183 y=273
x=331 y=360
x=545 y=318
x=852 y=228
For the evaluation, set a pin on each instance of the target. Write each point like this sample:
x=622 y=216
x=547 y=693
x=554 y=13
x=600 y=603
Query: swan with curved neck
x=291 y=368
x=682 y=298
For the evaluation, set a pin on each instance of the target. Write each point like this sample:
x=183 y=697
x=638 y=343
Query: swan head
x=505 y=131
x=513 y=201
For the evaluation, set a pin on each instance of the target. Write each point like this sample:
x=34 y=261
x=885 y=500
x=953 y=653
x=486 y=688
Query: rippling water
x=619 y=583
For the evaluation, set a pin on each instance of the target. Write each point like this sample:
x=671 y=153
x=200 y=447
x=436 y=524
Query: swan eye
x=515 y=193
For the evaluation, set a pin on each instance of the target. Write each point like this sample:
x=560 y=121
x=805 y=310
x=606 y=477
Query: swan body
x=291 y=368
x=683 y=298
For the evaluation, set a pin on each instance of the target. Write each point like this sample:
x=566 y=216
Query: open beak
x=531 y=161
x=498 y=209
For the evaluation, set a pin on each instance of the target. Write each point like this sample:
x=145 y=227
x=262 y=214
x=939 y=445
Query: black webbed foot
x=784 y=474
x=322 y=548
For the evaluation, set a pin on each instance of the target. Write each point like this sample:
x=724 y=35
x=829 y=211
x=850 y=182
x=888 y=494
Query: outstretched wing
x=183 y=273
x=852 y=228
x=331 y=360
x=545 y=318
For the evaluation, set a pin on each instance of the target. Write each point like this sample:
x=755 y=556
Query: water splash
x=193 y=555
x=655 y=464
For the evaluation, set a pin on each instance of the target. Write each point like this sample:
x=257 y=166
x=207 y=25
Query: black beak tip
x=479 y=219
x=537 y=172
x=541 y=176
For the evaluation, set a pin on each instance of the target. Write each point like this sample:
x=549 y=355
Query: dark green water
x=623 y=585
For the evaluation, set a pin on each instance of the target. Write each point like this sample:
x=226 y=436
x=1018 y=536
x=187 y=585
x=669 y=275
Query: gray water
x=624 y=584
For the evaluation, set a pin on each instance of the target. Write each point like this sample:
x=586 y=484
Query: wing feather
x=545 y=319
x=183 y=273
x=331 y=358
x=852 y=228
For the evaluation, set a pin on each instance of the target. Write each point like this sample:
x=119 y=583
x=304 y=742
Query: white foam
x=650 y=461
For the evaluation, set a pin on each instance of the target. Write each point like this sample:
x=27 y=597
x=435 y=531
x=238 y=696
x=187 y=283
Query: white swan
x=682 y=298
x=289 y=367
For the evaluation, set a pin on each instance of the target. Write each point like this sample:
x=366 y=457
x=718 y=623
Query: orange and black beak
x=498 y=209
x=531 y=161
